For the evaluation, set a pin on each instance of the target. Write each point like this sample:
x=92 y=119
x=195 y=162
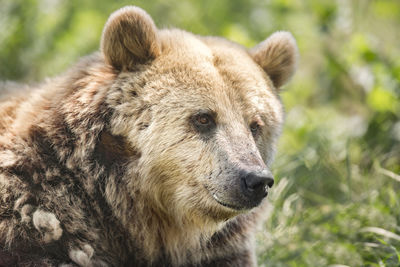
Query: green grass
x=333 y=205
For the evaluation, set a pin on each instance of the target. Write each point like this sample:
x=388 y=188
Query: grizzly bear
x=153 y=152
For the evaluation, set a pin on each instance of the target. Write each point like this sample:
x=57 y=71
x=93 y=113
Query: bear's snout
x=244 y=188
x=255 y=184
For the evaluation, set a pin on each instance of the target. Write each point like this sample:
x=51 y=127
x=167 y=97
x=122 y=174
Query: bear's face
x=204 y=114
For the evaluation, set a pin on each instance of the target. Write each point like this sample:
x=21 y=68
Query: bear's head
x=202 y=113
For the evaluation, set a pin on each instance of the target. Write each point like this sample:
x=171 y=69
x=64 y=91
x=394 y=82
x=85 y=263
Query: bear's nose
x=256 y=183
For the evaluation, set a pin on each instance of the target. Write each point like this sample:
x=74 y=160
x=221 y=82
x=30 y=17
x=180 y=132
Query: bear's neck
x=155 y=235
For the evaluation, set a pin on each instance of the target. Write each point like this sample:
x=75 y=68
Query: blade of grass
x=388 y=173
x=382 y=232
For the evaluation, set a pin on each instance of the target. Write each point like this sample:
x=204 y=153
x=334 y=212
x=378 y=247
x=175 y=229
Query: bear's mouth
x=227 y=205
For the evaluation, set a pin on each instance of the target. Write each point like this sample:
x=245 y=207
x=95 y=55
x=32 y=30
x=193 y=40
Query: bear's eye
x=255 y=128
x=203 y=121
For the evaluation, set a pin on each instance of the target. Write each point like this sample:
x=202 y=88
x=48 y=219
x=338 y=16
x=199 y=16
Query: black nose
x=256 y=183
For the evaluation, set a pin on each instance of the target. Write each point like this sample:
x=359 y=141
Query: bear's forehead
x=211 y=63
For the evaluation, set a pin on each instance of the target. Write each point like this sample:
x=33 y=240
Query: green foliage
x=337 y=198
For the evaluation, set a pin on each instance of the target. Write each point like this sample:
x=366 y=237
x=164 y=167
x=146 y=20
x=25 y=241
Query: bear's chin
x=217 y=212
x=237 y=208
x=223 y=214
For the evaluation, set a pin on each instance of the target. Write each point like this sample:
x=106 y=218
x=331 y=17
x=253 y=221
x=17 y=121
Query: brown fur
x=104 y=165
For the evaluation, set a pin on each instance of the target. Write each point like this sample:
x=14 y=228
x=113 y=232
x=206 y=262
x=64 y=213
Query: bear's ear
x=129 y=37
x=277 y=55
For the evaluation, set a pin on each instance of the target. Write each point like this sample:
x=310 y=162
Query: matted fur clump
x=153 y=152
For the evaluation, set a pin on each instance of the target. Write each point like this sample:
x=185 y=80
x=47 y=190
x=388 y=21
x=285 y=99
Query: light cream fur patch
x=47 y=223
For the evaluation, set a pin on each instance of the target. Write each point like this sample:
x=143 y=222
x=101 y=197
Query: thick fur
x=102 y=166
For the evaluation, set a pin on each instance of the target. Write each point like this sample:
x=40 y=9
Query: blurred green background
x=337 y=197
